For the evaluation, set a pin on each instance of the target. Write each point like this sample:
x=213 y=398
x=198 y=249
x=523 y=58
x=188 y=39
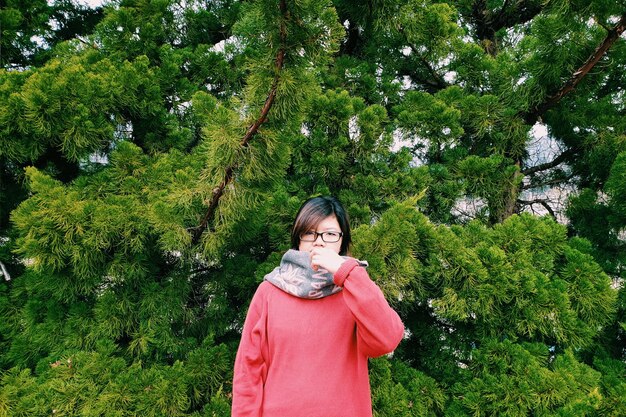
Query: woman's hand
x=327 y=259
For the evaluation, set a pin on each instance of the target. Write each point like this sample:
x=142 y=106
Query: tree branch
x=555 y=181
x=502 y=11
x=542 y=202
x=436 y=82
x=3 y=268
x=613 y=35
x=488 y=23
x=555 y=162
x=218 y=191
x=520 y=12
x=90 y=44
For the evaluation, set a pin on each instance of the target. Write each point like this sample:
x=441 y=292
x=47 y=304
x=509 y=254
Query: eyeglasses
x=328 y=237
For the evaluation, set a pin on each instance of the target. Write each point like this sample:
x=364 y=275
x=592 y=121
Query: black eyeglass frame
x=316 y=234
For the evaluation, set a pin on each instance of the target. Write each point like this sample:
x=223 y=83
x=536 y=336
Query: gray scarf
x=296 y=277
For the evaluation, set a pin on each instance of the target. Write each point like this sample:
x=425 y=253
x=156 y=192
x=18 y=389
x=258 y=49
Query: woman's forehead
x=327 y=223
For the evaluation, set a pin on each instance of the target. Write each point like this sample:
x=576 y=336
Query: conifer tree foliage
x=153 y=154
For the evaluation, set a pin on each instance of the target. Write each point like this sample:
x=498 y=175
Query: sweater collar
x=295 y=276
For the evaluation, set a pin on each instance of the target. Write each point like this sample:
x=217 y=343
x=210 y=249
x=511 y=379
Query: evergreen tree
x=153 y=154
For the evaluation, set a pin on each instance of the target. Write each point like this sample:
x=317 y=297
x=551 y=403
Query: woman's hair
x=313 y=211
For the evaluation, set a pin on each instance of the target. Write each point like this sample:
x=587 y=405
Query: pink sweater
x=308 y=358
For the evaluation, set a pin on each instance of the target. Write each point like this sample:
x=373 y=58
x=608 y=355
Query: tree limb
x=520 y=12
x=218 y=191
x=553 y=182
x=4 y=271
x=542 y=202
x=433 y=84
x=532 y=116
x=89 y=44
x=613 y=35
x=488 y=23
x=501 y=13
x=438 y=81
x=555 y=162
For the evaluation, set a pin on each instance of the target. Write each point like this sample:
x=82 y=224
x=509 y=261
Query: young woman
x=311 y=326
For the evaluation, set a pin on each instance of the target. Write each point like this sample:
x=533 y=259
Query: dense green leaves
x=153 y=154
x=512 y=380
x=95 y=384
x=521 y=270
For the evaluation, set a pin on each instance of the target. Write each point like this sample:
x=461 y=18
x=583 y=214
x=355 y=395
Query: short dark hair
x=313 y=211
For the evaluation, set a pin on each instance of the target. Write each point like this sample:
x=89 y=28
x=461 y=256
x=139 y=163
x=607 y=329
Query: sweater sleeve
x=250 y=363
x=379 y=328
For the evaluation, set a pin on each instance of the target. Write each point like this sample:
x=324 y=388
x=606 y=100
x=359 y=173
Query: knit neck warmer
x=296 y=277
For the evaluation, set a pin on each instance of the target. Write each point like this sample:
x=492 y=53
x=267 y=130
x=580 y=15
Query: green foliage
x=399 y=390
x=95 y=384
x=28 y=31
x=345 y=150
x=121 y=125
x=613 y=385
x=395 y=264
x=508 y=379
x=519 y=280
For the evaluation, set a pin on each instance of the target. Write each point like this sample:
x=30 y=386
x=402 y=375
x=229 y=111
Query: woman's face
x=329 y=224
